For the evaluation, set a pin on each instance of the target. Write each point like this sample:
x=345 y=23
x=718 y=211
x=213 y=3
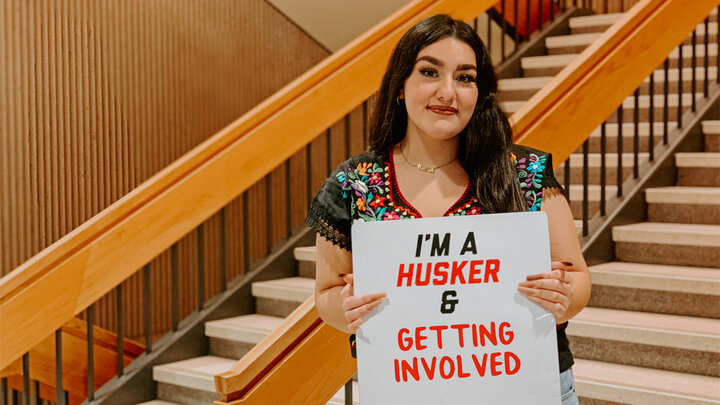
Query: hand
x=355 y=307
x=552 y=290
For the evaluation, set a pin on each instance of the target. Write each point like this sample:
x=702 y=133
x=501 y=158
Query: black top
x=363 y=188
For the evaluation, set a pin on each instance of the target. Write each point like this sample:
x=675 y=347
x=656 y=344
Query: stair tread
x=683 y=279
x=649 y=381
x=668 y=233
x=698 y=159
x=628 y=103
x=685 y=332
x=558 y=41
x=304 y=253
x=246 y=328
x=157 y=402
x=711 y=127
x=296 y=289
x=594 y=20
x=683 y=195
x=523 y=83
x=197 y=373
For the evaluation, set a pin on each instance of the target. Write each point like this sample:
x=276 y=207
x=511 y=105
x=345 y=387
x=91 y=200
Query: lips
x=443 y=110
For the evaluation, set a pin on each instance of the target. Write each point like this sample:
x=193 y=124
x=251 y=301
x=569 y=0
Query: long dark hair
x=484 y=145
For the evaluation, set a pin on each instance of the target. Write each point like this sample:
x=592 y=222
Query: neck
x=428 y=151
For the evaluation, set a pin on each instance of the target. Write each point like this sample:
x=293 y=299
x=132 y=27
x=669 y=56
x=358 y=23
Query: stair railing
x=164 y=226
x=559 y=118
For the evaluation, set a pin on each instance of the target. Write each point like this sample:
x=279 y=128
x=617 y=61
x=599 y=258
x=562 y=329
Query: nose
x=446 y=90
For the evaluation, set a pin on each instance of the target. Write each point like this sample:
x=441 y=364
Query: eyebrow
x=438 y=62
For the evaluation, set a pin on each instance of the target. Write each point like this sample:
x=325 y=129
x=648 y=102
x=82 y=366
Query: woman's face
x=441 y=92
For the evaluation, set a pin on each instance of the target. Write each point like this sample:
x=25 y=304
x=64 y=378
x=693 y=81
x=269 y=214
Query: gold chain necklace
x=426 y=169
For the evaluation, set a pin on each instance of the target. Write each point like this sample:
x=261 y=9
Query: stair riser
x=712 y=143
x=698 y=176
x=306 y=268
x=628 y=142
x=229 y=348
x=642 y=355
x=684 y=213
x=593 y=208
x=184 y=395
x=673 y=64
x=699 y=256
x=516 y=95
x=602 y=28
x=274 y=307
x=663 y=302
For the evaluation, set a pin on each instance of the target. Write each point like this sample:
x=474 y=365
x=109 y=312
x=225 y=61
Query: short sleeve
x=549 y=180
x=329 y=213
x=535 y=173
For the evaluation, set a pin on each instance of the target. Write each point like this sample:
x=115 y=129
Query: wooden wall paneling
x=298 y=188
x=356 y=126
x=338 y=147
x=278 y=204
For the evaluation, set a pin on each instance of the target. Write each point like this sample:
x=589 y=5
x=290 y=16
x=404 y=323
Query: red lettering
x=459 y=367
x=404 y=343
x=446 y=360
x=438 y=330
x=441 y=271
x=516 y=360
x=429 y=370
x=506 y=337
x=492 y=266
x=397 y=370
x=408 y=369
x=475 y=270
x=494 y=364
x=460 y=328
x=480 y=367
x=418 y=280
x=419 y=338
x=457 y=272
x=489 y=334
x=402 y=274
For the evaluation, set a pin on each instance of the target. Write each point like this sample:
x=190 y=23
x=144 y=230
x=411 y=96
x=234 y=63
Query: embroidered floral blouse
x=363 y=188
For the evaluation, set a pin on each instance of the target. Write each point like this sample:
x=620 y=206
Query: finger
x=355 y=301
x=557 y=309
x=348 y=278
x=560 y=286
x=546 y=295
x=360 y=312
x=557 y=274
x=560 y=265
x=353 y=326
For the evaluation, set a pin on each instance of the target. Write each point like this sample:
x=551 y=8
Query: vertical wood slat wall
x=96 y=96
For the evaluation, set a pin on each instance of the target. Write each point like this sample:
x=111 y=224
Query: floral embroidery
x=530 y=171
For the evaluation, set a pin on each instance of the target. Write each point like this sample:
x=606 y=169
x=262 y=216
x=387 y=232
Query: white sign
x=454 y=329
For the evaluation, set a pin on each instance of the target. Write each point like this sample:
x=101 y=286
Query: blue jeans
x=567 y=388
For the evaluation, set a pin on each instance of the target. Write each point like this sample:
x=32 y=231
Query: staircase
x=651 y=333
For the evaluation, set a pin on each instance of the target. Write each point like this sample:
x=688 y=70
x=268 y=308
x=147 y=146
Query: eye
x=428 y=72
x=465 y=78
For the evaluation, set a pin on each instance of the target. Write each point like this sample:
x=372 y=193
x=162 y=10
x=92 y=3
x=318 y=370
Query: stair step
x=601 y=22
x=157 y=402
x=594 y=167
x=576 y=42
x=305 y=257
x=550 y=65
x=190 y=381
x=676 y=290
x=521 y=88
x=698 y=169
x=280 y=297
x=668 y=342
x=234 y=337
x=666 y=243
x=678 y=204
x=711 y=135
x=637 y=385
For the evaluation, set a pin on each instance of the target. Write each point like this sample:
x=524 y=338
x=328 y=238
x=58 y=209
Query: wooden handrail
x=103 y=252
x=559 y=118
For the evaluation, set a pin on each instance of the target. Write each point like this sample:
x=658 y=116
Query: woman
x=441 y=146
